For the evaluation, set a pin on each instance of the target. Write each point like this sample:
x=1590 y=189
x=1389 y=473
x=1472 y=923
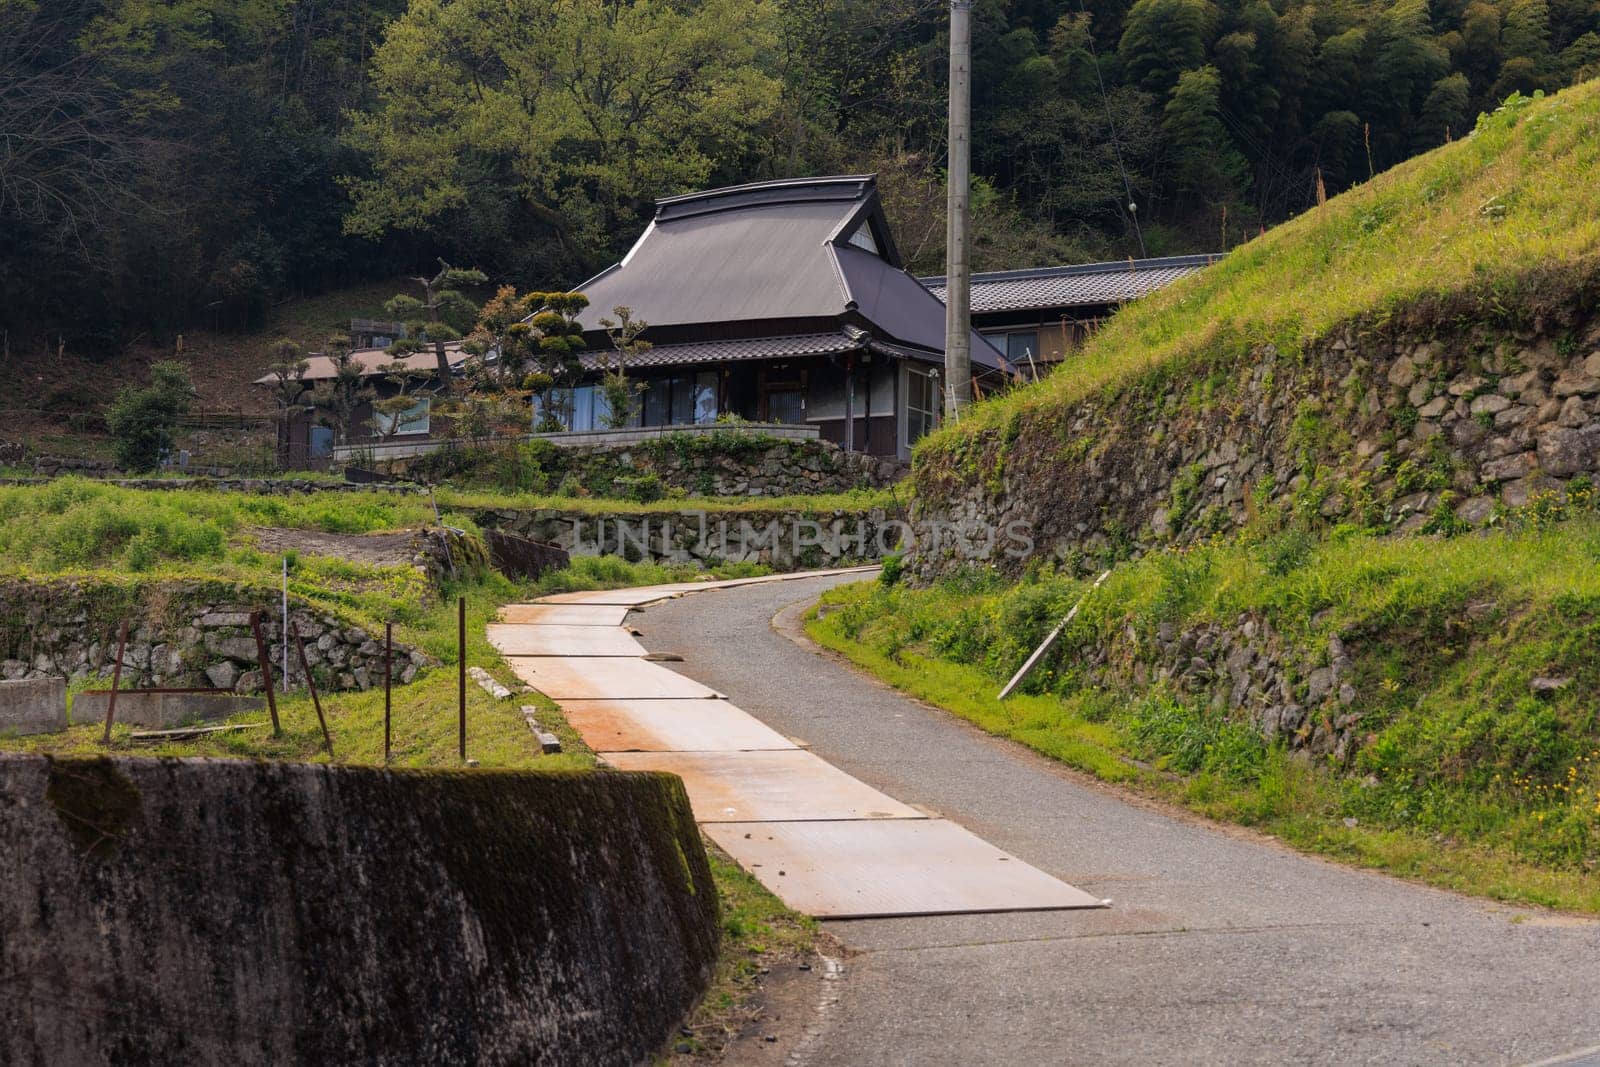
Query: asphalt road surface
x=1222 y=946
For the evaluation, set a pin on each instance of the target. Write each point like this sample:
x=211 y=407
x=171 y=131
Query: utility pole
x=958 y=267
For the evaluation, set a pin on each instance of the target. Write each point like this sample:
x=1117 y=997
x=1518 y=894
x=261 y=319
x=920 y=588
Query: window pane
x=583 y=408
x=413 y=420
x=705 y=397
x=655 y=402
x=682 y=399
x=826 y=393
x=1019 y=346
x=785 y=406
x=882 y=391
x=921 y=401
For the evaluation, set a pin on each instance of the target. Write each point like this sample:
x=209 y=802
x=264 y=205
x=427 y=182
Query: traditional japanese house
x=778 y=302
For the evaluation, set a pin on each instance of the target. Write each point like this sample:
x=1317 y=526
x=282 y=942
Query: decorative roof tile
x=794 y=345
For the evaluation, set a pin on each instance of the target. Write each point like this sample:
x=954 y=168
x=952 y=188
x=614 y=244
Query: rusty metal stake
x=311 y=684
x=116 y=681
x=265 y=663
x=461 y=671
x=388 y=673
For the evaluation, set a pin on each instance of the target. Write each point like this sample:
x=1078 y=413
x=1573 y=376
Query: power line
x=1116 y=147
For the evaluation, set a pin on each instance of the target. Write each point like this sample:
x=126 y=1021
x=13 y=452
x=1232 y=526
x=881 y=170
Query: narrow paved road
x=1221 y=947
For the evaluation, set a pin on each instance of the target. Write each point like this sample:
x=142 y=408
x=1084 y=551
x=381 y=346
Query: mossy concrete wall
x=215 y=911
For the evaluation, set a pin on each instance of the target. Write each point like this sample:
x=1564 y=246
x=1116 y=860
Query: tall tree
x=562 y=119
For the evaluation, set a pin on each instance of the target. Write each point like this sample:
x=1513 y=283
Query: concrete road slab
x=605 y=677
x=890 y=867
x=767 y=786
x=565 y=614
x=514 y=639
x=669 y=726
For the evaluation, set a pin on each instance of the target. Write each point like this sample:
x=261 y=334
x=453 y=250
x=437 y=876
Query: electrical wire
x=1116 y=147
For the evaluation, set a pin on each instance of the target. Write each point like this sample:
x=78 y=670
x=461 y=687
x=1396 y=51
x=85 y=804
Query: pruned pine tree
x=441 y=316
x=621 y=392
x=388 y=412
x=338 y=397
x=503 y=342
x=288 y=373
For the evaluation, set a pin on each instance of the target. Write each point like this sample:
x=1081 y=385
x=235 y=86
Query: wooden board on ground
x=669 y=726
x=758 y=786
x=564 y=614
x=605 y=677
x=519 y=640
x=878 y=868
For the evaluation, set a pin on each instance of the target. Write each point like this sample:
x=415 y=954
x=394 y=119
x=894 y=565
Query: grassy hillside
x=1502 y=215
x=1419 y=703
x=1473 y=758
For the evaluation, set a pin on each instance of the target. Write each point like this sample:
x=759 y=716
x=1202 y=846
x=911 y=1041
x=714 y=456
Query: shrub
x=641 y=488
x=141 y=419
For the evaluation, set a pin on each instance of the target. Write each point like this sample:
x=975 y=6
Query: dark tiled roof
x=768 y=252
x=1081 y=285
x=795 y=345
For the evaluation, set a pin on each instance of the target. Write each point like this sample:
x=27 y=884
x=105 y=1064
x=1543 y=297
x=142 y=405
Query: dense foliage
x=168 y=161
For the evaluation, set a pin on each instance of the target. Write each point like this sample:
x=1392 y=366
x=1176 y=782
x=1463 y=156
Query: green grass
x=1515 y=201
x=424 y=719
x=131 y=538
x=131 y=541
x=74 y=523
x=1461 y=775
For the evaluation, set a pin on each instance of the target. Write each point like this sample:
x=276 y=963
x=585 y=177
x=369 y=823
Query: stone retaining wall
x=180 y=634
x=241 y=912
x=1407 y=427
x=721 y=463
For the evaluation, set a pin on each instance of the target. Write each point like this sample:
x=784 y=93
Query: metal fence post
x=265 y=662
x=311 y=685
x=116 y=682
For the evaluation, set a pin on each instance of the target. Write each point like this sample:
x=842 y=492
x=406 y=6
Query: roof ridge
x=1109 y=266
x=770 y=183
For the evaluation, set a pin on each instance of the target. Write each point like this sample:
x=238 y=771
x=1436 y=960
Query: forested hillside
x=173 y=162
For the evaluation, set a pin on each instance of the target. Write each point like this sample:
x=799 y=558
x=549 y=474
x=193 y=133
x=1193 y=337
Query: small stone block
x=487 y=683
x=33 y=706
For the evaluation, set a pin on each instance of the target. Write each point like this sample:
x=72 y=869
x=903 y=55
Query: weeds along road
x=1221 y=947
